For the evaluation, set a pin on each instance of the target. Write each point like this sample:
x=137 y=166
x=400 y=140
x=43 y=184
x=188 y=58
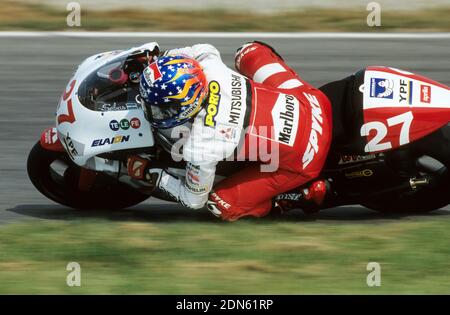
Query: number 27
x=381 y=129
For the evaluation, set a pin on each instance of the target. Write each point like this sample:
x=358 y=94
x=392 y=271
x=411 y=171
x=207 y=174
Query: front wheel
x=56 y=177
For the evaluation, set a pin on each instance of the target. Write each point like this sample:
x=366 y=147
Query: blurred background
x=163 y=248
x=234 y=15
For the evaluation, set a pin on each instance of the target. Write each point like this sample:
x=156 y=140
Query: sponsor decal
x=124 y=124
x=289 y=197
x=192 y=182
x=381 y=88
x=349 y=159
x=316 y=129
x=245 y=50
x=50 y=136
x=113 y=140
x=285 y=115
x=190 y=111
x=425 y=94
x=195 y=189
x=108 y=107
x=135 y=123
x=364 y=173
x=213 y=103
x=406 y=91
x=220 y=201
x=192 y=177
x=152 y=73
x=228 y=133
x=70 y=146
x=112 y=107
x=114 y=125
x=236 y=99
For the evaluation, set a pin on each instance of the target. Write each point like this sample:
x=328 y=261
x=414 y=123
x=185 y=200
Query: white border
x=229 y=35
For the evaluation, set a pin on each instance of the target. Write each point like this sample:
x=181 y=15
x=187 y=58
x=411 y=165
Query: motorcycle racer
x=265 y=107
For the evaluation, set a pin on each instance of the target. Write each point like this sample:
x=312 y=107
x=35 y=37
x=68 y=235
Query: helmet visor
x=164 y=112
x=163 y=116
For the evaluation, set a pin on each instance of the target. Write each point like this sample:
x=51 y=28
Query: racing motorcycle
x=390 y=150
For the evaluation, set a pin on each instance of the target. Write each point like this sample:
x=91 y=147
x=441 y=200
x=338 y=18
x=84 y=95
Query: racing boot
x=316 y=192
x=309 y=199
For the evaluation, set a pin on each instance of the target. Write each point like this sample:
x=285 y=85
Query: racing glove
x=138 y=168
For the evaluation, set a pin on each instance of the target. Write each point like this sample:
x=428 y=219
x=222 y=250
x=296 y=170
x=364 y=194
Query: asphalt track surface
x=34 y=71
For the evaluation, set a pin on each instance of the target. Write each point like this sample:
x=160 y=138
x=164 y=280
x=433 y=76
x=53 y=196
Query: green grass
x=245 y=257
x=22 y=16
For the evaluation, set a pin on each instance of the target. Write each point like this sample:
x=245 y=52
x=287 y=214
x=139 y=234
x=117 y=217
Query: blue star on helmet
x=163 y=86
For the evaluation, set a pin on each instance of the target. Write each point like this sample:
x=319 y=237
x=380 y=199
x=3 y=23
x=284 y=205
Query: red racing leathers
x=303 y=138
x=271 y=115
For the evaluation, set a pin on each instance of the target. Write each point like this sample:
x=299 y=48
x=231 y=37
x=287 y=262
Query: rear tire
x=106 y=193
x=423 y=201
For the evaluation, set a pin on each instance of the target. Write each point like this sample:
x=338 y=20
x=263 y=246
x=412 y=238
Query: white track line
x=230 y=35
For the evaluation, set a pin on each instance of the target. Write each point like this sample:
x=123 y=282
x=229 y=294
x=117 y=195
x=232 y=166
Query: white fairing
x=86 y=133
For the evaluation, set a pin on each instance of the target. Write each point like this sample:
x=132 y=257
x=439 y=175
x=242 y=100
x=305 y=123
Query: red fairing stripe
x=49 y=140
x=67 y=94
x=70 y=118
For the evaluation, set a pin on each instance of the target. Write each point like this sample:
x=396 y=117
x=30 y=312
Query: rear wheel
x=423 y=201
x=432 y=157
x=415 y=204
x=56 y=177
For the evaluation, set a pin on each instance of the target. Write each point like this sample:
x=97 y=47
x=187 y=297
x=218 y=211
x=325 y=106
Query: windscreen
x=114 y=86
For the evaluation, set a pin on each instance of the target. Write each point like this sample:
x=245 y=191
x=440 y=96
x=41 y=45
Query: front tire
x=106 y=193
